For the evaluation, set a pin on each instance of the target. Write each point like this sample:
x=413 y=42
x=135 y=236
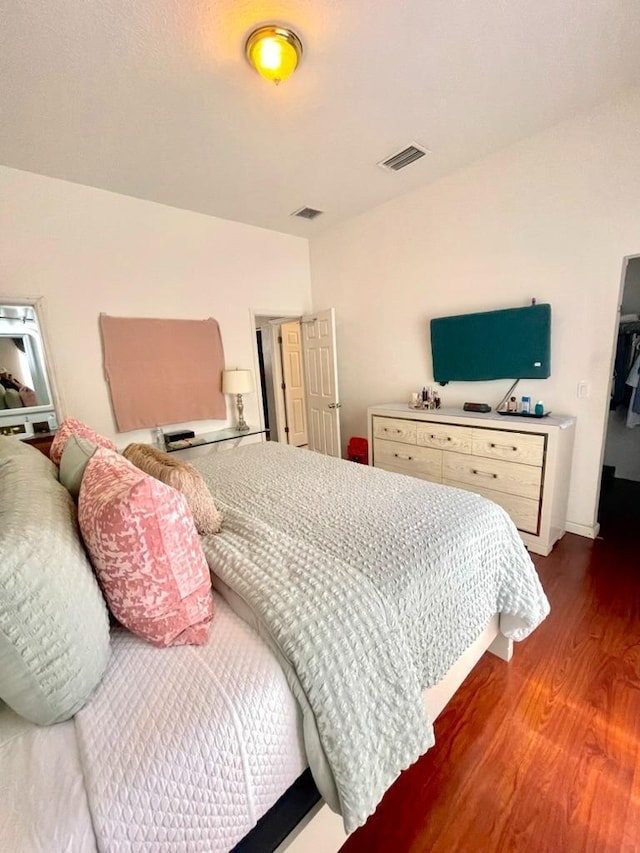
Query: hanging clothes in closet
x=622 y=364
x=633 y=380
x=624 y=385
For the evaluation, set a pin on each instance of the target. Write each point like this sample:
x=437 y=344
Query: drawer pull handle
x=388 y=429
x=504 y=446
x=400 y=456
x=485 y=473
x=440 y=437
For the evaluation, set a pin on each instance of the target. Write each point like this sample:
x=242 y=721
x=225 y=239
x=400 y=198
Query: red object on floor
x=358 y=450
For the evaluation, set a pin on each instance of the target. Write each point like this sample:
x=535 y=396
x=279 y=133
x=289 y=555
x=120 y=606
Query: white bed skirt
x=322 y=829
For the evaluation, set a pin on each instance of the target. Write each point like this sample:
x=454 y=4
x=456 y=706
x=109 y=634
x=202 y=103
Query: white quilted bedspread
x=185 y=748
x=370 y=585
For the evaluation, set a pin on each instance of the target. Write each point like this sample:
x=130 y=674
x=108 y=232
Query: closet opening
x=619 y=509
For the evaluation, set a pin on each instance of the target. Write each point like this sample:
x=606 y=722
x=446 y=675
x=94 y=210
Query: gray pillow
x=12 y=399
x=75 y=456
x=54 y=628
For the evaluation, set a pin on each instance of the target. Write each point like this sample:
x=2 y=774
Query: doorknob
x=334 y=405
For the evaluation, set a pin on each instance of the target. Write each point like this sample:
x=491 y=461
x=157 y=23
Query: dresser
x=523 y=464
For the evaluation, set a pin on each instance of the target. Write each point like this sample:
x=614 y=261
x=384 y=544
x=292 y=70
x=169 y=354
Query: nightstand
x=41 y=441
x=215 y=437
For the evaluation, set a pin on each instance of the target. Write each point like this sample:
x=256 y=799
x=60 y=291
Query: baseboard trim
x=590 y=531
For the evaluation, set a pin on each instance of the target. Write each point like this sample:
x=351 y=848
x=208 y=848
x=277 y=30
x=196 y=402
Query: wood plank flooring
x=541 y=755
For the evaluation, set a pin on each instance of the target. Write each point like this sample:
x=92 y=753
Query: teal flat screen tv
x=514 y=343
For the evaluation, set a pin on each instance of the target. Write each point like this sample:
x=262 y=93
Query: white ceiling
x=154 y=99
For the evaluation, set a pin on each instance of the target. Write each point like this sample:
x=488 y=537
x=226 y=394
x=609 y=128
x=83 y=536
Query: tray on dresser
x=525 y=414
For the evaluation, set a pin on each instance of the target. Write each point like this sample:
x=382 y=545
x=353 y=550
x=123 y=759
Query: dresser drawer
x=445 y=436
x=510 y=446
x=515 y=478
x=523 y=465
x=524 y=512
x=423 y=462
x=395 y=429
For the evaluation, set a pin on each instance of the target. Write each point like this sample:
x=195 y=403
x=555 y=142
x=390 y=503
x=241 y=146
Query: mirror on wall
x=26 y=400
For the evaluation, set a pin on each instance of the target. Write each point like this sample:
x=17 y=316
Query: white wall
x=88 y=251
x=550 y=217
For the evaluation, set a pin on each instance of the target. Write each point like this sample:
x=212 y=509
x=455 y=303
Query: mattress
x=43 y=803
x=180 y=749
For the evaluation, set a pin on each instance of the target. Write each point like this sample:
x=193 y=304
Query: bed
x=322 y=568
x=228 y=697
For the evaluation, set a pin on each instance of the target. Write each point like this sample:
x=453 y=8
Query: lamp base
x=242 y=425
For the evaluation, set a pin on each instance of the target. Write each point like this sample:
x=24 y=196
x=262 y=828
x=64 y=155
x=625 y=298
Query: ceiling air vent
x=403 y=158
x=307 y=213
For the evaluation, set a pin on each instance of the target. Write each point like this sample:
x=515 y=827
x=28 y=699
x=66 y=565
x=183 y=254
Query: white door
x=321 y=379
x=293 y=381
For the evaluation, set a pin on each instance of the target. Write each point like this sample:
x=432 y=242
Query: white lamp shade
x=237 y=381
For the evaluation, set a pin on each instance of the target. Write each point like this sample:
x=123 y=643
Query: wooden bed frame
x=322 y=830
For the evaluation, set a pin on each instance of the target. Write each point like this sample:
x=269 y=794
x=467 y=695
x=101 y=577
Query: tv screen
x=514 y=343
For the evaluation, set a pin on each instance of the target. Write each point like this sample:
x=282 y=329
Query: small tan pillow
x=182 y=477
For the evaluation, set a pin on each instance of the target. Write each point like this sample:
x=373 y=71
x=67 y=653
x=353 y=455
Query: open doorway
x=620 y=490
x=297 y=366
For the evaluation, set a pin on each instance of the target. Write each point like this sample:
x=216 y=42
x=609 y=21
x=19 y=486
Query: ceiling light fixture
x=274 y=52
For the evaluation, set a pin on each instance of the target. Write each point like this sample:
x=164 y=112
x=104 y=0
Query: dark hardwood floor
x=541 y=755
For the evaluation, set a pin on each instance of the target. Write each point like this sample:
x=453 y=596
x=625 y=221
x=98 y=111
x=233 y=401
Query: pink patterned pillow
x=146 y=552
x=72 y=426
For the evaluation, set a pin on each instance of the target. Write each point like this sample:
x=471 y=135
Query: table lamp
x=238 y=382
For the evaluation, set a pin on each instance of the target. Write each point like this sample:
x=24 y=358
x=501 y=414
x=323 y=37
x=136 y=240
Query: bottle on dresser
x=159 y=438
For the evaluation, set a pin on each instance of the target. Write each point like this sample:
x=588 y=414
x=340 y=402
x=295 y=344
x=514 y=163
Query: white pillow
x=54 y=628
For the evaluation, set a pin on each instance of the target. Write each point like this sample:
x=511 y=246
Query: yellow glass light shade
x=274 y=52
